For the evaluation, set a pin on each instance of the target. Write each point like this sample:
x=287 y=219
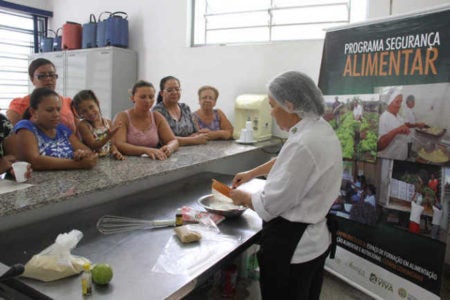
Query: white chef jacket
x=303 y=184
x=398 y=147
x=410 y=115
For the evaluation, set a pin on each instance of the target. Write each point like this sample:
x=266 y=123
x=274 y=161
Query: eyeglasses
x=46 y=76
x=170 y=90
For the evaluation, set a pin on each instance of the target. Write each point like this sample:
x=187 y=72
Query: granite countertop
x=112 y=179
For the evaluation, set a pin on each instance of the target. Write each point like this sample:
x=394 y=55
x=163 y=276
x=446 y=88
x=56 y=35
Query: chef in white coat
x=302 y=184
x=392 y=131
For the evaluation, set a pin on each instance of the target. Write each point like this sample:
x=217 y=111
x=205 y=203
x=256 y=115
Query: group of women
x=54 y=132
x=302 y=182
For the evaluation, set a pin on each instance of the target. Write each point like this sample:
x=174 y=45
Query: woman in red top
x=42 y=73
x=433 y=183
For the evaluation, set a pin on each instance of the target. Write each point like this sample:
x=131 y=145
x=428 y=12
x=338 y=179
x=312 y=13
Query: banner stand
x=386 y=86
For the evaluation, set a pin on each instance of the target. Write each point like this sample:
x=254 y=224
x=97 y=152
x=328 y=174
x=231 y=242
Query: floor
x=333 y=289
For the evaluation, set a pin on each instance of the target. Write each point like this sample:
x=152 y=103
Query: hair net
x=300 y=90
x=391 y=93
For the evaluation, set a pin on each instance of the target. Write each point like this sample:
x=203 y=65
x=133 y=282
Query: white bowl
x=229 y=211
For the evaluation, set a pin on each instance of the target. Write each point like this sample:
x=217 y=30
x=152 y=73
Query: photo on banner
x=414 y=123
x=358 y=198
x=394 y=249
x=416 y=198
x=355 y=120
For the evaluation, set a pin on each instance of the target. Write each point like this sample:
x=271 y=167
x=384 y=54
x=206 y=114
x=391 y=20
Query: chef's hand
x=241 y=178
x=241 y=198
x=422 y=125
x=402 y=129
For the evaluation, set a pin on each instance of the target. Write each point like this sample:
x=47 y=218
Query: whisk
x=110 y=224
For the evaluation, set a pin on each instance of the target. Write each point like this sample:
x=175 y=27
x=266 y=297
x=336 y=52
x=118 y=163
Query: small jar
x=86 y=280
x=179 y=217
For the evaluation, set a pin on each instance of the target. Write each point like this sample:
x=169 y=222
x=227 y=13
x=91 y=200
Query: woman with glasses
x=178 y=115
x=42 y=73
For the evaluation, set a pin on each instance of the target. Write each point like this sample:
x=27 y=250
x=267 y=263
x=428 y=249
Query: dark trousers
x=279 y=279
x=306 y=279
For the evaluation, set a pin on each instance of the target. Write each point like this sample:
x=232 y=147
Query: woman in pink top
x=42 y=73
x=144 y=132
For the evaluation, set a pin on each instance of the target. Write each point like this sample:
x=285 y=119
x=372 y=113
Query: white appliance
x=254 y=108
x=110 y=72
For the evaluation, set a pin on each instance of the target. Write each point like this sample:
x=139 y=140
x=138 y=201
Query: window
x=238 y=21
x=19 y=36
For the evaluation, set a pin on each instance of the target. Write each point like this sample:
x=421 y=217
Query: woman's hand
x=113 y=130
x=117 y=155
x=241 y=198
x=156 y=154
x=28 y=172
x=201 y=138
x=167 y=150
x=6 y=163
x=88 y=161
x=241 y=178
x=80 y=154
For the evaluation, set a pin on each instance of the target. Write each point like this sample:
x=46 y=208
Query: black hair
x=410 y=98
x=162 y=83
x=36 y=98
x=139 y=84
x=82 y=96
x=35 y=64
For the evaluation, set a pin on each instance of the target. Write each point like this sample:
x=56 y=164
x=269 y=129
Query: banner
x=412 y=50
x=386 y=86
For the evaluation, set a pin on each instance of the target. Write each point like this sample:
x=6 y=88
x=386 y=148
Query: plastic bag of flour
x=56 y=261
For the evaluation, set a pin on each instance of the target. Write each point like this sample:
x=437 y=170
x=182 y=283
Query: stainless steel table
x=134 y=254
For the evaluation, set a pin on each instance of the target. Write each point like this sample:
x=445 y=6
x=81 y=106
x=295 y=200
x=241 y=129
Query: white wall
x=160 y=37
x=41 y=4
x=159 y=32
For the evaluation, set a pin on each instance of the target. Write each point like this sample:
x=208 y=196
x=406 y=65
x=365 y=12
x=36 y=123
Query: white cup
x=20 y=168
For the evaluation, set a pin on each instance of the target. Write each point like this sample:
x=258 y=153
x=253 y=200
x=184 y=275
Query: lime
x=102 y=274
